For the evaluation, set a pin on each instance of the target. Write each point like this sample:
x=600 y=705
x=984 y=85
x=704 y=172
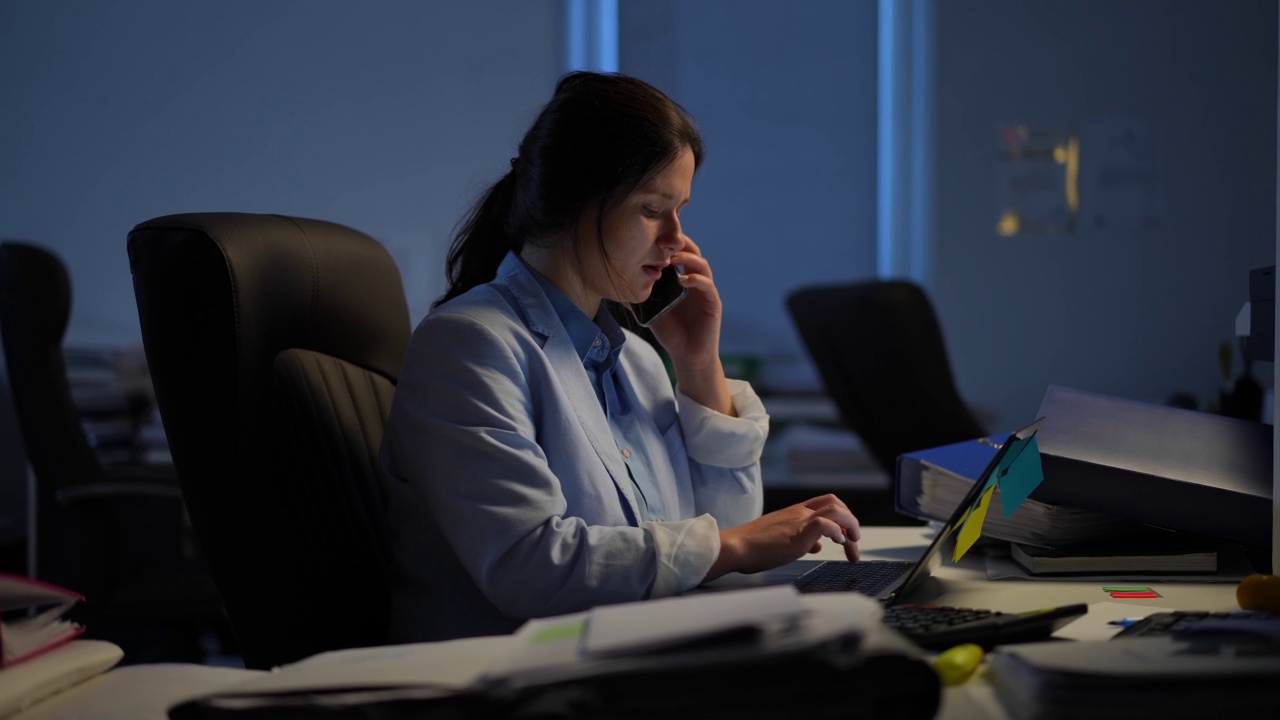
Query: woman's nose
x=672 y=237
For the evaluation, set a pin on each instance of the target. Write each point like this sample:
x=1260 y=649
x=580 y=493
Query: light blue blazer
x=509 y=497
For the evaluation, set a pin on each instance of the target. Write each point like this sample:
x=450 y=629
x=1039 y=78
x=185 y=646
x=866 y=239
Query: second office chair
x=880 y=352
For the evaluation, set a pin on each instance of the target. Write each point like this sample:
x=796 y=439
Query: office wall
x=387 y=115
x=785 y=96
x=1120 y=310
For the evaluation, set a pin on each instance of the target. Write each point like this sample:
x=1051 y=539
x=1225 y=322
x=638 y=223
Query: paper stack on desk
x=1033 y=523
x=716 y=654
x=1159 y=677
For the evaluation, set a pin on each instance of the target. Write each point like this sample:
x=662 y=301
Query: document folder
x=1169 y=467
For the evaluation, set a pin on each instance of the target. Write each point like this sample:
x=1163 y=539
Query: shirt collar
x=583 y=332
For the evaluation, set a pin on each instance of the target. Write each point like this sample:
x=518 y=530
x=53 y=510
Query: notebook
x=887 y=580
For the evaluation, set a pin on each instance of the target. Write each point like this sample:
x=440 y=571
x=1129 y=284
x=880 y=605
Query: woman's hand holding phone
x=690 y=332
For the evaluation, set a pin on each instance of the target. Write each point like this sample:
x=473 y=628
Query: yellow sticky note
x=971 y=530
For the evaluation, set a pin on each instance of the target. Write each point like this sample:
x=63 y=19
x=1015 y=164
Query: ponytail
x=484 y=240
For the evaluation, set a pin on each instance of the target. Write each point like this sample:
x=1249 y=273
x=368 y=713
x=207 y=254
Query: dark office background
x=390 y=115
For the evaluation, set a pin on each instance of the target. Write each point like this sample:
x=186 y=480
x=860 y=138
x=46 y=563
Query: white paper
x=452 y=664
x=556 y=647
x=138 y=692
x=631 y=628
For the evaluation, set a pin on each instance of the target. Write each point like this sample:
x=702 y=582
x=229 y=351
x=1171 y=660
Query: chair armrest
x=162 y=474
x=113 y=489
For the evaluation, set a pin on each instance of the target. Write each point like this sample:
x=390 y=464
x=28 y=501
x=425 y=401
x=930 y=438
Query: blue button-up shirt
x=598 y=344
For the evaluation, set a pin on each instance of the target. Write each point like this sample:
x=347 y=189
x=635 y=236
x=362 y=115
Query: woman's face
x=640 y=235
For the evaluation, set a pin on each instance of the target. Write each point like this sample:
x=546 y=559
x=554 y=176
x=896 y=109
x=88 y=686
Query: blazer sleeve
x=464 y=438
x=724 y=455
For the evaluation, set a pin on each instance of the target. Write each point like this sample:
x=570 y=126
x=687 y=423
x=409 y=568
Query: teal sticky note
x=1020 y=476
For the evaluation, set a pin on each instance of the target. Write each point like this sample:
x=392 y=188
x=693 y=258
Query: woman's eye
x=651 y=212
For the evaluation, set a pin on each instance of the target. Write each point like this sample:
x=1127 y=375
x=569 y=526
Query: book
x=1155 y=552
x=32 y=618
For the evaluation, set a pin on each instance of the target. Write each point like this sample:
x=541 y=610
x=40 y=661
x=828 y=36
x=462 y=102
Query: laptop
x=887 y=580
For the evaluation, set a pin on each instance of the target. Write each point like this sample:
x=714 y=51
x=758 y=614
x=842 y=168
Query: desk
x=966 y=585
x=143 y=692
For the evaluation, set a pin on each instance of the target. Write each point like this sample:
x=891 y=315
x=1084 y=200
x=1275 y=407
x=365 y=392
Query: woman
x=539 y=460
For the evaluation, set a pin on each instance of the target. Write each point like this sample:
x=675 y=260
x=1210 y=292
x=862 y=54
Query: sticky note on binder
x=1020 y=476
x=1016 y=475
x=971 y=530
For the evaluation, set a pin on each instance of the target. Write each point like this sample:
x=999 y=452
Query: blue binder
x=967 y=459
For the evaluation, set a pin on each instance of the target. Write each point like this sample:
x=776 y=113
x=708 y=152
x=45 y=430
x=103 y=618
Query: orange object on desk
x=1259 y=592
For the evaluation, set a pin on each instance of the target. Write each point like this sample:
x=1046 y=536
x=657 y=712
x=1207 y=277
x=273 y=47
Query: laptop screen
x=1013 y=445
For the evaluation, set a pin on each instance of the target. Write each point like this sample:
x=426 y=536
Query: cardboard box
x=1173 y=468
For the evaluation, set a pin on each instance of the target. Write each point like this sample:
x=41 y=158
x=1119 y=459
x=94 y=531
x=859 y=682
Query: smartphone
x=667 y=293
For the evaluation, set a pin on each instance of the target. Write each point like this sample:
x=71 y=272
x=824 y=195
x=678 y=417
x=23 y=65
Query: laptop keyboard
x=868 y=577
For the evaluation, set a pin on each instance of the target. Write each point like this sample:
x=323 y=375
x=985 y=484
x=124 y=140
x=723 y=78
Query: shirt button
x=597 y=342
x=626 y=453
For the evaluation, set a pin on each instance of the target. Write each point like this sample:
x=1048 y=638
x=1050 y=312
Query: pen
x=1125 y=622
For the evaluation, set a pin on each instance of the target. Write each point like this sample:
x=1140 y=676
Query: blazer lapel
x=542 y=320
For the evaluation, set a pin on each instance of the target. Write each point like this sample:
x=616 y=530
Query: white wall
x=785 y=96
x=1127 y=312
x=386 y=115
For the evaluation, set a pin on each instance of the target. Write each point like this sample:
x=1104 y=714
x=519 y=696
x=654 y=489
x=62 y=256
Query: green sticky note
x=1019 y=474
x=557 y=633
x=971 y=530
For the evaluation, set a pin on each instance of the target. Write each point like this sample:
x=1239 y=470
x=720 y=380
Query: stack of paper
x=1033 y=523
x=748 y=653
x=1160 y=677
x=614 y=637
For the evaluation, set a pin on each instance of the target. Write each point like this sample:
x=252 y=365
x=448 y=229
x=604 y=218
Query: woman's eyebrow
x=667 y=195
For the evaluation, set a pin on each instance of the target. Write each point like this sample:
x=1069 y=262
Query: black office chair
x=115 y=534
x=274 y=345
x=880 y=352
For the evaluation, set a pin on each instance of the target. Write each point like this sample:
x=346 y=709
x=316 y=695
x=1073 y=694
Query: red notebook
x=32 y=618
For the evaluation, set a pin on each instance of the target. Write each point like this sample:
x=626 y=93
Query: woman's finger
x=851 y=552
x=693 y=264
x=843 y=518
x=828 y=529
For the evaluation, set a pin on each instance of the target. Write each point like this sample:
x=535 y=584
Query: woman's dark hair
x=600 y=137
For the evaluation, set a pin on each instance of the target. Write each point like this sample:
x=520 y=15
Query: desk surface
x=966 y=584
x=142 y=692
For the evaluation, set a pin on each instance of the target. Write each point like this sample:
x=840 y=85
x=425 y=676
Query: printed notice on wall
x=1036 y=172
x=1120 y=180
